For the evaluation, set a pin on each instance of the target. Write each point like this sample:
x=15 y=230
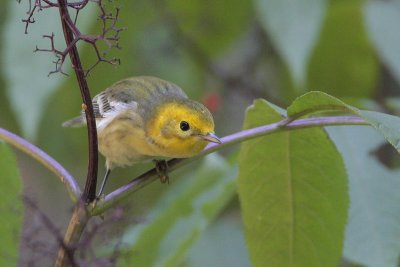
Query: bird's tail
x=75 y=122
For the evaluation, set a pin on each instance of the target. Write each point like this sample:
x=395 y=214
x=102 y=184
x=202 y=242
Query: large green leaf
x=293 y=40
x=181 y=216
x=10 y=207
x=382 y=18
x=373 y=228
x=343 y=63
x=373 y=224
x=293 y=193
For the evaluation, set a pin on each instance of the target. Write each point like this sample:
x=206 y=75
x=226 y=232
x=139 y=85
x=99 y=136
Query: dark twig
x=110 y=33
x=38 y=4
x=80 y=216
x=89 y=192
x=30 y=18
x=60 y=55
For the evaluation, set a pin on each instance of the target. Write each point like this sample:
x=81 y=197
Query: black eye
x=184 y=126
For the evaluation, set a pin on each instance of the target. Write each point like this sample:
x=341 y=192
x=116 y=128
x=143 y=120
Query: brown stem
x=80 y=216
x=76 y=225
x=89 y=192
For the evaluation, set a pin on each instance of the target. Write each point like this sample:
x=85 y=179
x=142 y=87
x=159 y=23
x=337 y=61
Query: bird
x=145 y=118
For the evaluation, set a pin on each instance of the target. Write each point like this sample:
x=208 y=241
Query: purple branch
x=150 y=176
x=46 y=160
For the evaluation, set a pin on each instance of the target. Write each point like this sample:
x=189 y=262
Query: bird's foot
x=162 y=170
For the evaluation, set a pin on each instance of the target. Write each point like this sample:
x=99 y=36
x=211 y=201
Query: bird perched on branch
x=146 y=118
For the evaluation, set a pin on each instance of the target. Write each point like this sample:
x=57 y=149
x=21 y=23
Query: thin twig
x=110 y=33
x=152 y=175
x=47 y=161
x=37 y=4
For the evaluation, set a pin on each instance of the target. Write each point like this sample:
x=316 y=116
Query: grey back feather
x=134 y=92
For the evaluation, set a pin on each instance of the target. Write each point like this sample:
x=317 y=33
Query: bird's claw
x=162 y=170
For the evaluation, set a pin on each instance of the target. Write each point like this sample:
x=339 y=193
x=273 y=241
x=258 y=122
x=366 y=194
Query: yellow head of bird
x=181 y=128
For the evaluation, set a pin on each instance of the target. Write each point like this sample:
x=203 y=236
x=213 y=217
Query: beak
x=211 y=137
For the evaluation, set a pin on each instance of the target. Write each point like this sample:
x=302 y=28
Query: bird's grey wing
x=110 y=105
x=107 y=102
x=101 y=105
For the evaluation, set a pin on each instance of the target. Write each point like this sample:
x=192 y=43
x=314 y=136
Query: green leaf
x=209 y=24
x=343 y=62
x=387 y=125
x=181 y=216
x=10 y=207
x=294 y=41
x=381 y=20
x=293 y=193
x=315 y=102
x=373 y=227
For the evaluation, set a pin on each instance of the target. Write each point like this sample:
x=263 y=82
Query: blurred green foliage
x=224 y=53
x=344 y=56
x=10 y=207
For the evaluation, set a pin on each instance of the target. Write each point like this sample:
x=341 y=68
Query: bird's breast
x=123 y=143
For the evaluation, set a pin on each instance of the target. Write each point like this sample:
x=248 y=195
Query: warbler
x=146 y=118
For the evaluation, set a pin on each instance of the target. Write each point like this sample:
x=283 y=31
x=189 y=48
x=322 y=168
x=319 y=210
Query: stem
x=150 y=176
x=80 y=216
x=89 y=193
x=47 y=161
x=76 y=225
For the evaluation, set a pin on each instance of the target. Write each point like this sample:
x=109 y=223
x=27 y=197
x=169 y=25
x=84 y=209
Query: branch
x=173 y=164
x=76 y=226
x=47 y=161
x=89 y=192
x=80 y=216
